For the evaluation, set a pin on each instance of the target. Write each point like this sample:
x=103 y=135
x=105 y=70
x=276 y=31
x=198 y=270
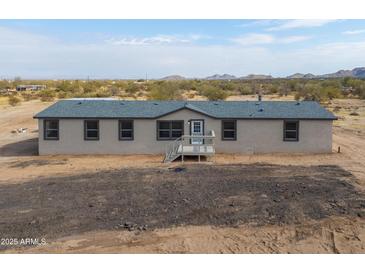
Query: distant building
x=30 y=87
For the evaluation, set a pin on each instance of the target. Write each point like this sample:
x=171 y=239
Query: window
x=126 y=130
x=91 y=130
x=291 y=130
x=169 y=130
x=229 y=130
x=51 y=129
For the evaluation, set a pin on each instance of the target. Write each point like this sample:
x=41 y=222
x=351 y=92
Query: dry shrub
x=14 y=101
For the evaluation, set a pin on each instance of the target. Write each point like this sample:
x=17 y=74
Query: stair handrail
x=173 y=146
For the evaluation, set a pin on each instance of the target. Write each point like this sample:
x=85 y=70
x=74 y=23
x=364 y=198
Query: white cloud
x=261 y=39
x=300 y=23
x=155 y=40
x=353 y=32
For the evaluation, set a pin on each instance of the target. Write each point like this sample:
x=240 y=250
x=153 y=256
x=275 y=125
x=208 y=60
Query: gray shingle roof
x=217 y=109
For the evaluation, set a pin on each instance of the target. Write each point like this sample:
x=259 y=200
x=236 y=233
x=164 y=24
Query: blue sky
x=56 y=49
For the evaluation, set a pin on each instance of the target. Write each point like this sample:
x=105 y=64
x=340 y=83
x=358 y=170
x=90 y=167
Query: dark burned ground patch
x=216 y=195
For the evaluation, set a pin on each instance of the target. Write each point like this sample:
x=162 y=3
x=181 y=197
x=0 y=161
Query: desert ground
x=274 y=203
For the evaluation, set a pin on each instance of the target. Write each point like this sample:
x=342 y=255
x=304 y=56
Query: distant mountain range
x=301 y=75
x=221 y=77
x=356 y=73
x=173 y=78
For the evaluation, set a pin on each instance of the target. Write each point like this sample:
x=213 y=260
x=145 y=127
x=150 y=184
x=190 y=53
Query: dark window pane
x=229 y=130
x=91 y=124
x=176 y=133
x=291 y=135
x=127 y=125
x=51 y=129
x=290 y=125
x=164 y=125
x=229 y=125
x=164 y=134
x=229 y=134
x=51 y=124
x=177 y=125
x=52 y=133
x=197 y=128
x=127 y=134
x=170 y=129
x=92 y=134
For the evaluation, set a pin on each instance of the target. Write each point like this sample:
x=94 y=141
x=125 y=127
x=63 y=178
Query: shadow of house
x=217 y=195
x=37 y=162
x=28 y=147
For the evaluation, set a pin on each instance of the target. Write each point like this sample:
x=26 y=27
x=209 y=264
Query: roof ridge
x=195 y=108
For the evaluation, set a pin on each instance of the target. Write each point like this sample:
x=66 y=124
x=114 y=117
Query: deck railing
x=191 y=145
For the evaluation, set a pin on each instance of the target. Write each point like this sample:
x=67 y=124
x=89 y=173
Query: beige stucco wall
x=253 y=136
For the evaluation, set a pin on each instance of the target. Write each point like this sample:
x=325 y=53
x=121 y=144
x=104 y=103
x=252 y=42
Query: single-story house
x=88 y=126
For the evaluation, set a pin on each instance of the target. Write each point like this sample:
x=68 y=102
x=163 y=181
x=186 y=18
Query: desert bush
x=165 y=91
x=357 y=86
x=273 y=89
x=244 y=89
x=47 y=95
x=214 y=93
x=14 y=101
x=187 y=85
x=227 y=85
x=102 y=94
x=332 y=92
x=319 y=91
x=90 y=87
x=121 y=85
x=113 y=90
x=63 y=95
x=132 y=88
x=28 y=96
x=354 y=114
x=63 y=86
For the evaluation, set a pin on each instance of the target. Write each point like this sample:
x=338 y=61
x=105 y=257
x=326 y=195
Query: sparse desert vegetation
x=321 y=90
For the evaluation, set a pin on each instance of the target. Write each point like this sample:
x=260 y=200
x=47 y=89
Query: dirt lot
x=238 y=204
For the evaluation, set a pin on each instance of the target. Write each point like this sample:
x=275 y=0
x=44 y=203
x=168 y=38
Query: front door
x=197 y=129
